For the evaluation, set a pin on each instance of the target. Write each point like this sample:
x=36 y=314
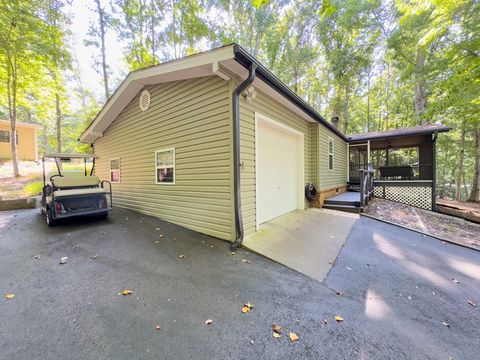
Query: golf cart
x=71 y=192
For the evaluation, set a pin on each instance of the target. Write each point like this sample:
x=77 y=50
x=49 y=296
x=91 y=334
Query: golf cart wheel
x=48 y=218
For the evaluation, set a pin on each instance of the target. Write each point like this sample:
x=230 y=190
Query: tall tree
x=97 y=37
x=348 y=37
x=27 y=42
x=138 y=22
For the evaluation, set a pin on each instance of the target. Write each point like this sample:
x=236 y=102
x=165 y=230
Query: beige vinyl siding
x=338 y=176
x=192 y=116
x=314 y=129
x=272 y=109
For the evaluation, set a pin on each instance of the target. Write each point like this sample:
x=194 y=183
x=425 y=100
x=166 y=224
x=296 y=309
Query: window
x=4 y=136
x=330 y=154
x=165 y=166
x=115 y=170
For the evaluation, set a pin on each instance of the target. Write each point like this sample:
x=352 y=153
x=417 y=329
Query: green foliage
x=33 y=188
x=377 y=64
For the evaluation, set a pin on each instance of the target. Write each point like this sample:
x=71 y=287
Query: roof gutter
x=236 y=153
x=392 y=136
x=245 y=59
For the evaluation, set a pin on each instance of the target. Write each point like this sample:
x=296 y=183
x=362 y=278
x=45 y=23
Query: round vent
x=144 y=100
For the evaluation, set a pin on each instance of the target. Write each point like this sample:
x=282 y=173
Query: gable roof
x=223 y=61
x=410 y=131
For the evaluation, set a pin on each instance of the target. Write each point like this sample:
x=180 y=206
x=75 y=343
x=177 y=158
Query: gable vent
x=144 y=100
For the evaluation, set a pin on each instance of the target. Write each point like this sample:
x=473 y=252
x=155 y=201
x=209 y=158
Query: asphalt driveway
x=398 y=298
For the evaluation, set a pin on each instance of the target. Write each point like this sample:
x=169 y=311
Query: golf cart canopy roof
x=71 y=156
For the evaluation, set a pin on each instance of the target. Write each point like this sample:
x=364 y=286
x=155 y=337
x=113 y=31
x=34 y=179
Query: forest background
x=376 y=64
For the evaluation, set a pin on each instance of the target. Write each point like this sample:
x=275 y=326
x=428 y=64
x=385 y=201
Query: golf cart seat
x=65 y=182
x=74 y=192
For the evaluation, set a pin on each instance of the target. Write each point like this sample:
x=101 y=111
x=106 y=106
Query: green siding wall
x=327 y=178
x=193 y=116
x=272 y=109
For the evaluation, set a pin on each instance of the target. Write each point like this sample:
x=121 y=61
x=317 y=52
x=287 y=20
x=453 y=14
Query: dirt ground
x=13 y=188
x=448 y=227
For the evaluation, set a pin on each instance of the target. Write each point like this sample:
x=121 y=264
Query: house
x=26 y=140
x=216 y=143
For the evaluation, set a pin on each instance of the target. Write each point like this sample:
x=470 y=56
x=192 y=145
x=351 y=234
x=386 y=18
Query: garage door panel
x=277 y=171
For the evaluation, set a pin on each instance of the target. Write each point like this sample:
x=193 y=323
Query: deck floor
x=349 y=196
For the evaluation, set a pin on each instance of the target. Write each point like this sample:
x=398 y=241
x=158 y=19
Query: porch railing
x=366 y=186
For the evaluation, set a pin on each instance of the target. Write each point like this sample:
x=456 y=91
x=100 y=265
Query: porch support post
x=348 y=162
x=368 y=152
x=434 y=172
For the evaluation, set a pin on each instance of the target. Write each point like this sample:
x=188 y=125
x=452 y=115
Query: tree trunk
x=152 y=30
x=59 y=123
x=101 y=20
x=420 y=89
x=458 y=192
x=368 y=100
x=346 y=109
x=475 y=194
x=387 y=97
x=12 y=113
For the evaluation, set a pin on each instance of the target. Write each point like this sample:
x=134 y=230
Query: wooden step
x=342 y=202
x=346 y=208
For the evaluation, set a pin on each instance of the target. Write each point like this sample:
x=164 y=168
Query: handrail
x=366 y=186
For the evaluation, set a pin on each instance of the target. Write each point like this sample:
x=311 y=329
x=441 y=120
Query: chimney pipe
x=335 y=121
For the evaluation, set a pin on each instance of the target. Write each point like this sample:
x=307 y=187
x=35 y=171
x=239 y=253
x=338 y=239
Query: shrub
x=33 y=188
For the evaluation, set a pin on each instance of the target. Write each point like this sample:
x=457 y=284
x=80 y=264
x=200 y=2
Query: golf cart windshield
x=71 y=165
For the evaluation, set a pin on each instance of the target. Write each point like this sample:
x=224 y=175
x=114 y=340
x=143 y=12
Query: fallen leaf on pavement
x=63 y=260
x=276 y=335
x=338 y=318
x=208 y=322
x=126 y=292
x=246 y=308
x=10 y=296
x=277 y=328
x=293 y=337
x=472 y=303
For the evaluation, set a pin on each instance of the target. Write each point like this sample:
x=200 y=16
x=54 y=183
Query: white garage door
x=278 y=170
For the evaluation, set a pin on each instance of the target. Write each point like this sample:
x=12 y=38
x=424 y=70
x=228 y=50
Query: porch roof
x=396 y=133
